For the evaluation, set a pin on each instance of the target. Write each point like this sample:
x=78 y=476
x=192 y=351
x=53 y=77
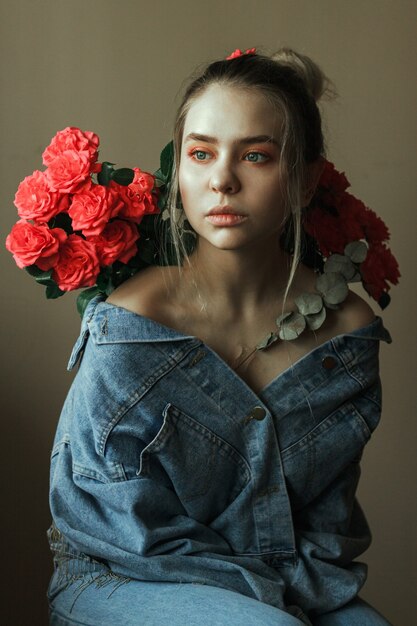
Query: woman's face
x=230 y=163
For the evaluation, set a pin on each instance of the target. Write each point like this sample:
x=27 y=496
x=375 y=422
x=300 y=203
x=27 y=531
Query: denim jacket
x=166 y=466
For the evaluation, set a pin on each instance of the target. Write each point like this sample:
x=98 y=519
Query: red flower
x=93 y=207
x=332 y=179
x=325 y=229
x=68 y=171
x=72 y=138
x=137 y=203
x=32 y=244
x=379 y=267
x=142 y=181
x=117 y=242
x=374 y=227
x=35 y=200
x=239 y=53
x=77 y=265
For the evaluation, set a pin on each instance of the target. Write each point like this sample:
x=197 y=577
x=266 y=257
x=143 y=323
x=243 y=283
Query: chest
x=257 y=368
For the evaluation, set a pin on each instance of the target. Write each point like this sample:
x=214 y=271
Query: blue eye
x=256 y=157
x=200 y=155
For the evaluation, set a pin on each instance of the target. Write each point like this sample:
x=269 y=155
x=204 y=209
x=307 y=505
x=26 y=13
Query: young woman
x=197 y=478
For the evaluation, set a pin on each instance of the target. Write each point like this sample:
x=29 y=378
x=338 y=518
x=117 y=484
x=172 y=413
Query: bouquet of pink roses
x=75 y=231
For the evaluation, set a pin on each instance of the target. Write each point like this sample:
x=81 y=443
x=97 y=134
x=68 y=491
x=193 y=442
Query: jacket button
x=329 y=362
x=257 y=413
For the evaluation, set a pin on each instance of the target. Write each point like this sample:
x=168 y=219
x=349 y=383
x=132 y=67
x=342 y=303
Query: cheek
x=187 y=186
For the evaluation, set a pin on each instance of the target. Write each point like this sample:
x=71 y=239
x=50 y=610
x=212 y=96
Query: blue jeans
x=106 y=600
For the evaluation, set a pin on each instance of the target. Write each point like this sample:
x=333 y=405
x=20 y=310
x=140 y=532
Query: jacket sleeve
x=330 y=533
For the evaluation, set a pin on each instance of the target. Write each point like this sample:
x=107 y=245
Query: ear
x=313 y=172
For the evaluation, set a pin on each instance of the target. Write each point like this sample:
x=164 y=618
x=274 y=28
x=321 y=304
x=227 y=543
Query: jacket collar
x=109 y=323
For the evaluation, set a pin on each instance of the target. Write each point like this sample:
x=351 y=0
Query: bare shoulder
x=148 y=293
x=353 y=314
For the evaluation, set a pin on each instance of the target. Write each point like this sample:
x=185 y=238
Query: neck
x=239 y=283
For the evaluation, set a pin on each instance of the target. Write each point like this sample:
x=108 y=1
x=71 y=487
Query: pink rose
x=77 y=265
x=72 y=138
x=68 y=171
x=92 y=208
x=136 y=204
x=36 y=201
x=142 y=181
x=117 y=242
x=31 y=244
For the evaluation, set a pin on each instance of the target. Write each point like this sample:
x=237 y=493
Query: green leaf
x=62 y=220
x=309 y=303
x=341 y=264
x=315 y=321
x=34 y=271
x=265 y=343
x=167 y=160
x=123 y=176
x=104 y=177
x=356 y=251
x=84 y=298
x=384 y=300
x=292 y=327
x=53 y=291
x=41 y=277
x=103 y=280
x=333 y=287
x=147 y=251
x=283 y=317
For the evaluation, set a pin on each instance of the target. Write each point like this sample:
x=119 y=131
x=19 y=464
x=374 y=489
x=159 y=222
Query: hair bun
x=310 y=73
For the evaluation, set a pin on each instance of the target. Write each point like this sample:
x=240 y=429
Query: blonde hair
x=292 y=83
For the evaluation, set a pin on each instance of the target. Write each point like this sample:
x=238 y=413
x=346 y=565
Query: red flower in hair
x=238 y=53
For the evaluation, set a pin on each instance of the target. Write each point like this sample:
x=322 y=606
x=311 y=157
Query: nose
x=223 y=178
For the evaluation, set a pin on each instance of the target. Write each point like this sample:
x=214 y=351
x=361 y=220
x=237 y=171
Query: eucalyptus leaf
x=123 y=176
x=309 y=303
x=283 y=317
x=265 y=343
x=340 y=263
x=292 y=327
x=315 y=321
x=333 y=287
x=84 y=298
x=356 y=278
x=356 y=251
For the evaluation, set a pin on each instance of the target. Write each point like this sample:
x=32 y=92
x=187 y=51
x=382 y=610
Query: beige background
x=115 y=67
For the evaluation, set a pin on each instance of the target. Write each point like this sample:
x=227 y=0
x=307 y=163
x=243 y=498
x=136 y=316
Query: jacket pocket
x=206 y=472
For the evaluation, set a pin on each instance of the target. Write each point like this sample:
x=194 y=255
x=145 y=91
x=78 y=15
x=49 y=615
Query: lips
x=224 y=210
x=225 y=215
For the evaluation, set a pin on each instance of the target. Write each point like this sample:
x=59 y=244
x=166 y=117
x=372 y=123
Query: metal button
x=198 y=356
x=329 y=362
x=257 y=413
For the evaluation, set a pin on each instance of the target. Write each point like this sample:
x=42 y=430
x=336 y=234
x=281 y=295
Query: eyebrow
x=244 y=140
